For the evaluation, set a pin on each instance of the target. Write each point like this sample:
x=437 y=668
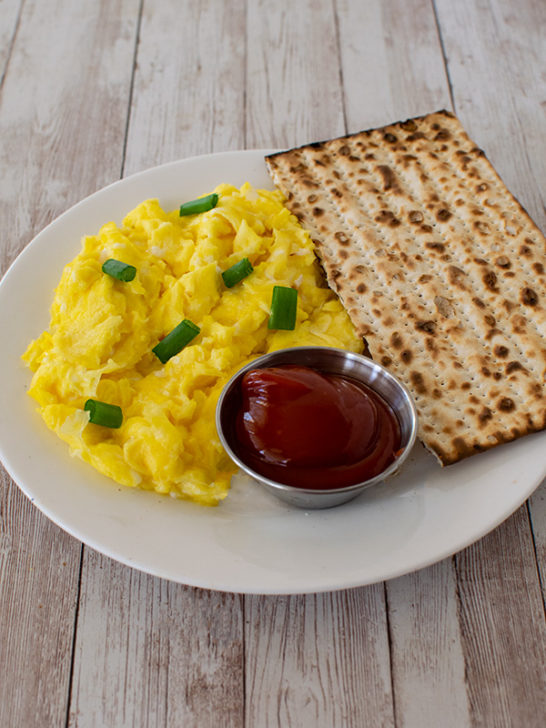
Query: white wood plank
x=63 y=110
x=151 y=653
x=500 y=96
x=319 y=660
x=293 y=83
x=189 y=87
x=428 y=669
x=392 y=64
x=502 y=622
x=393 y=69
x=61 y=122
x=39 y=568
x=494 y=50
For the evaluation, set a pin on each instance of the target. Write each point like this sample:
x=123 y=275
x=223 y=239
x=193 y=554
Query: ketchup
x=305 y=428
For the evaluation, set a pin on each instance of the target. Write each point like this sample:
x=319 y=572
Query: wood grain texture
x=39 y=567
x=59 y=122
x=493 y=53
x=189 y=88
x=393 y=69
x=148 y=652
x=293 y=85
x=464 y=637
x=319 y=660
x=428 y=669
x=391 y=62
x=502 y=623
x=537 y=509
x=157 y=653
x=301 y=667
x=496 y=59
x=63 y=112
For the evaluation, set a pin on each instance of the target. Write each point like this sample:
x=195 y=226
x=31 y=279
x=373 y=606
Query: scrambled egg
x=102 y=331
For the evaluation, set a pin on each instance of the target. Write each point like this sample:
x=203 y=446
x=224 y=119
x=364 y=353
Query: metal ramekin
x=333 y=361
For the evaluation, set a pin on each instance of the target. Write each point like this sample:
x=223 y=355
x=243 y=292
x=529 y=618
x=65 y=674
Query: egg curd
x=102 y=332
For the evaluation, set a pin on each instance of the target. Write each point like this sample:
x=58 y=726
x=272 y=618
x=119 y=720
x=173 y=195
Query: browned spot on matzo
x=440 y=268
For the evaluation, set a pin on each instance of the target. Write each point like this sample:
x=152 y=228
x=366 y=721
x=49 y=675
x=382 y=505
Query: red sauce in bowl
x=301 y=427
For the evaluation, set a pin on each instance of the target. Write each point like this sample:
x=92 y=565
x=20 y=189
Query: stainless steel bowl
x=333 y=361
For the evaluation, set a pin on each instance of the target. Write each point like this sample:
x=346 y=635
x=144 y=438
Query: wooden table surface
x=94 y=91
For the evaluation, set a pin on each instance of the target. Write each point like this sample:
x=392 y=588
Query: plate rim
x=328 y=584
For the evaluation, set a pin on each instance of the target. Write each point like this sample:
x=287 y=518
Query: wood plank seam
x=458 y=69
x=243 y=597
x=243 y=600
x=340 y=64
x=503 y=652
x=391 y=649
x=122 y=166
x=131 y=88
x=74 y=636
x=540 y=187
x=459 y=606
x=444 y=55
x=535 y=552
x=245 y=89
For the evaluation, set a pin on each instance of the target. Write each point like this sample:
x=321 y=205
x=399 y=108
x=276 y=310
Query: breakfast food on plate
x=440 y=269
x=151 y=319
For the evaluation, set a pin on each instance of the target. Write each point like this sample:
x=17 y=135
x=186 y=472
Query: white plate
x=251 y=543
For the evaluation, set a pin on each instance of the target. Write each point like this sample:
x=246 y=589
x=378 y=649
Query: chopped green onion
x=101 y=413
x=237 y=272
x=119 y=270
x=284 y=306
x=202 y=204
x=176 y=340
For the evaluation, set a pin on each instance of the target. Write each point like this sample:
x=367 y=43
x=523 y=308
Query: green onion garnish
x=101 y=413
x=284 y=305
x=119 y=270
x=237 y=272
x=200 y=205
x=176 y=340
